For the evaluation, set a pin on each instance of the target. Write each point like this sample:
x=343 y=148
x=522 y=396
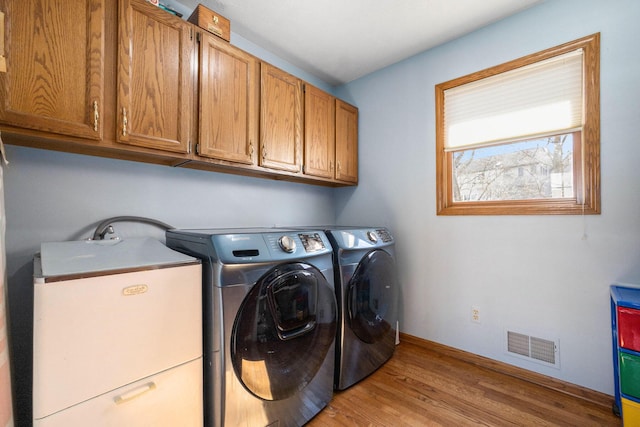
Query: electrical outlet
x=475 y=314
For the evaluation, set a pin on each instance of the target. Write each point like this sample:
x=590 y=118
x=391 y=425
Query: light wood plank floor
x=426 y=384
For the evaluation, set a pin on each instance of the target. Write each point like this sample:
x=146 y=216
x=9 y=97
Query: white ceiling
x=341 y=40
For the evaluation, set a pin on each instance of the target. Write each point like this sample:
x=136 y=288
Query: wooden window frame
x=586 y=151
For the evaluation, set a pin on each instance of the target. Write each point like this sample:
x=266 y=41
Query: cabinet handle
x=96 y=116
x=331 y=166
x=124 y=122
x=250 y=148
x=338 y=165
x=3 y=60
x=264 y=152
x=136 y=392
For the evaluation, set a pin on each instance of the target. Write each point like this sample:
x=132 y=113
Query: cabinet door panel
x=55 y=70
x=228 y=102
x=346 y=142
x=280 y=119
x=172 y=397
x=319 y=132
x=155 y=81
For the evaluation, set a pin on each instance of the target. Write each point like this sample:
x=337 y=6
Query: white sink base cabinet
x=121 y=346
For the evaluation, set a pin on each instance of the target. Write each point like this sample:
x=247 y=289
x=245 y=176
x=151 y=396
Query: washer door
x=283 y=331
x=371 y=297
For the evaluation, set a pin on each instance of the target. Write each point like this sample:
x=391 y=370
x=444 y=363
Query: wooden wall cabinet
x=346 y=142
x=330 y=137
x=55 y=70
x=228 y=92
x=319 y=132
x=124 y=79
x=280 y=119
x=155 y=79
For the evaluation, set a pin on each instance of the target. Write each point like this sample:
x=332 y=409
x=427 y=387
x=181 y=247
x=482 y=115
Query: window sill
x=519 y=207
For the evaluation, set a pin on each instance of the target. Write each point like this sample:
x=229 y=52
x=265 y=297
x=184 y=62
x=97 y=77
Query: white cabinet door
x=96 y=334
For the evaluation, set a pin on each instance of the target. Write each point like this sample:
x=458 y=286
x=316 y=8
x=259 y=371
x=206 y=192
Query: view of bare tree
x=536 y=169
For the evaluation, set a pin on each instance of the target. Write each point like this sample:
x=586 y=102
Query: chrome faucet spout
x=105 y=226
x=105 y=231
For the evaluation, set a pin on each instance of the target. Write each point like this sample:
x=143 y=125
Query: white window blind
x=536 y=100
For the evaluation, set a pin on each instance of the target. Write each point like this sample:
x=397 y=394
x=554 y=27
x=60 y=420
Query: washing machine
x=367 y=295
x=270 y=321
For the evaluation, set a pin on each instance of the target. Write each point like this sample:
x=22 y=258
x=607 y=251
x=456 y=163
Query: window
x=522 y=137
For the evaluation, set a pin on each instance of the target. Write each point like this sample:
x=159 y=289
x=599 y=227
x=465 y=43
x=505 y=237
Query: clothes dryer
x=367 y=294
x=270 y=320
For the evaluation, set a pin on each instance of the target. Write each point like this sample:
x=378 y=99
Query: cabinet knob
x=264 y=152
x=250 y=148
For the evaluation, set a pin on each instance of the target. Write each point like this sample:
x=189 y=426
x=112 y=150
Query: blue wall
x=546 y=276
x=532 y=274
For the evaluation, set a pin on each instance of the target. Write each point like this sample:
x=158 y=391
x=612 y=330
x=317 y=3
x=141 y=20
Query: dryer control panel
x=361 y=238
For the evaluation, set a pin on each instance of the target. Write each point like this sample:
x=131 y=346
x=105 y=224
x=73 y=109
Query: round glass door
x=283 y=331
x=371 y=297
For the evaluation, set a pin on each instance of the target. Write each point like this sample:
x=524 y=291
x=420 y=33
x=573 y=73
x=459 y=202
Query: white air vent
x=536 y=349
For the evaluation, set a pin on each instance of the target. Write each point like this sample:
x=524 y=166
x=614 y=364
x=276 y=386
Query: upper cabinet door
x=155 y=78
x=229 y=82
x=346 y=142
x=280 y=119
x=319 y=132
x=55 y=70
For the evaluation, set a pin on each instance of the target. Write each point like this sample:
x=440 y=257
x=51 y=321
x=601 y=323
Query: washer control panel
x=247 y=245
x=384 y=235
x=312 y=242
x=297 y=243
x=287 y=244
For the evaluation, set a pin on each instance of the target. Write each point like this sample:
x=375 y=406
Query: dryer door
x=372 y=297
x=283 y=331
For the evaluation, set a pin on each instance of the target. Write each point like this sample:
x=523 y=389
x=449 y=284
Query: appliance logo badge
x=135 y=290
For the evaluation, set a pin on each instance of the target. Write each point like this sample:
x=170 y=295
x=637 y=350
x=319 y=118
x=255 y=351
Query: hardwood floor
x=427 y=384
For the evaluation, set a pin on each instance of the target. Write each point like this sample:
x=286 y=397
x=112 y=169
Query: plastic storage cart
x=625 y=327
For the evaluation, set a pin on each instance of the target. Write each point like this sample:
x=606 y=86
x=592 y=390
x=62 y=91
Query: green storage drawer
x=630 y=374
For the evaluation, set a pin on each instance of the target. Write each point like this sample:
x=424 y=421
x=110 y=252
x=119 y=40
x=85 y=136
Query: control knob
x=287 y=244
x=372 y=236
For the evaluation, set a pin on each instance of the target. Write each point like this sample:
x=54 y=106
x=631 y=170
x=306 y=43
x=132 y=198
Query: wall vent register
x=534 y=348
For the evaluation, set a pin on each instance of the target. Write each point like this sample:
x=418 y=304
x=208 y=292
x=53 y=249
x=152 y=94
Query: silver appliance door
x=371 y=297
x=283 y=331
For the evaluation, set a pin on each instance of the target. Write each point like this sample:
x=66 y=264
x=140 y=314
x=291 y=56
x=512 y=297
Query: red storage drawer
x=629 y=328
